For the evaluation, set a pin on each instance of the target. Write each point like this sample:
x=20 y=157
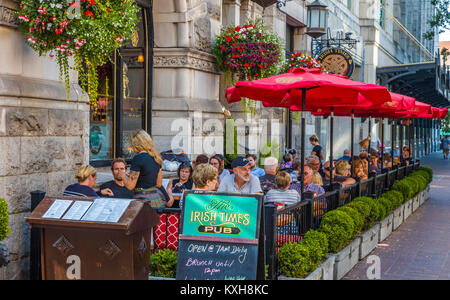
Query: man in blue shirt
x=253 y=160
x=446 y=146
x=347 y=156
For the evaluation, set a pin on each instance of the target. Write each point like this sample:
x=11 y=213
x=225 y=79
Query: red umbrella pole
x=303 y=141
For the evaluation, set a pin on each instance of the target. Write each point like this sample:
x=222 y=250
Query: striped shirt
x=286 y=197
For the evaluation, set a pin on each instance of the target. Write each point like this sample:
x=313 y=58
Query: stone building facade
x=43 y=136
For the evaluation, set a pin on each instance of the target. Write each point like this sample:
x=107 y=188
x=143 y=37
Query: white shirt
x=227 y=185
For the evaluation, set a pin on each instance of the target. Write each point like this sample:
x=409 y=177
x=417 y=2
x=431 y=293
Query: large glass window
x=122 y=99
x=134 y=80
x=101 y=121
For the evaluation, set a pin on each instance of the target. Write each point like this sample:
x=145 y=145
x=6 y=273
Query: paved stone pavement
x=420 y=248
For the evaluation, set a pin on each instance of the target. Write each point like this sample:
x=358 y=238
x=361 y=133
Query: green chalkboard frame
x=192 y=235
x=259 y=234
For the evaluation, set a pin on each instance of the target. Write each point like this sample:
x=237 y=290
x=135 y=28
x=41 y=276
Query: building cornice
x=184 y=58
x=7 y=17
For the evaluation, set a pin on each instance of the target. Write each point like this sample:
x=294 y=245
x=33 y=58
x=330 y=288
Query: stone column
x=44 y=137
x=186 y=111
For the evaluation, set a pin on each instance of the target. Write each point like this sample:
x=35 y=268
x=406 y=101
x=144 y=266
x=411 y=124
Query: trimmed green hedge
x=428 y=170
x=395 y=197
x=405 y=188
x=358 y=219
x=338 y=227
x=4 y=220
x=294 y=260
x=341 y=225
x=164 y=263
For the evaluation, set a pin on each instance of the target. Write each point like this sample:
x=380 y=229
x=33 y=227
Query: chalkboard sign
x=220 y=236
x=215 y=260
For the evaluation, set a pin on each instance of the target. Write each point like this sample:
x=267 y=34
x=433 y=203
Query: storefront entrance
x=124 y=97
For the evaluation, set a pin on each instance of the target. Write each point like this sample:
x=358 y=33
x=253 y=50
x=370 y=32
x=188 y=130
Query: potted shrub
x=4 y=232
x=164 y=263
x=305 y=259
x=294 y=260
x=338 y=228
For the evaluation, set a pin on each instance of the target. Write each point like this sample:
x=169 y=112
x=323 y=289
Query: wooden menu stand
x=95 y=250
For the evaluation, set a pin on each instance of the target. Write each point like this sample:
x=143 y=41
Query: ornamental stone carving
x=189 y=60
x=202 y=28
x=7 y=17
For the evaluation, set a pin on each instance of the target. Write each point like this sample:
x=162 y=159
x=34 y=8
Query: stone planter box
x=386 y=226
x=407 y=209
x=159 y=278
x=347 y=258
x=369 y=240
x=422 y=197
x=4 y=255
x=416 y=202
x=398 y=217
x=323 y=272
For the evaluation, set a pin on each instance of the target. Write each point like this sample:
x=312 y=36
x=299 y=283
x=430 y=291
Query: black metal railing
x=293 y=222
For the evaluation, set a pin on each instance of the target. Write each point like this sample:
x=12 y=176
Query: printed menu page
x=77 y=210
x=106 y=210
x=57 y=209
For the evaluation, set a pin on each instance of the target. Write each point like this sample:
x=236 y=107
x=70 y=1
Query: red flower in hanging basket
x=88 y=13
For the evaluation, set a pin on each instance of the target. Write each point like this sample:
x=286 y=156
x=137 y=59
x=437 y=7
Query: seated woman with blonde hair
x=86 y=177
x=360 y=169
x=343 y=173
x=205 y=177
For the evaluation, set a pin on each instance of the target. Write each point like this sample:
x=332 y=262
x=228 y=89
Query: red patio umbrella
x=288 y=89
x=304 y=89
x=443 y=112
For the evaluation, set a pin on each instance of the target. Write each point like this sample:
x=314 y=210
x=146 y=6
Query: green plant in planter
x=414 y=184
x=294 y=260
x=376 y=210
x=421 y=180
x=423 y=174
x=428 y=170
x=338 y=227
x=4 y=220
x=387 y=206
x=395 y=197
x=356 y=216
x=164 y=263
x=317 y=244
x=404 y=188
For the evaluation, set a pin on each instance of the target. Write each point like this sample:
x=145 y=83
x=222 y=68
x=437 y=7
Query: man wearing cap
x=293 y=152
x=241 y=181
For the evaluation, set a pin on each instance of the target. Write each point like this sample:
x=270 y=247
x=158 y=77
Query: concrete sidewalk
x=420 y=248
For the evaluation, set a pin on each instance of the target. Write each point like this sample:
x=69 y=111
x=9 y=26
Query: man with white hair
x=308 y=185
x=268 y=180
x=314 y=162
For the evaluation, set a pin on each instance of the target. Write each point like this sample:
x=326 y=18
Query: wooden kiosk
x=94 y=239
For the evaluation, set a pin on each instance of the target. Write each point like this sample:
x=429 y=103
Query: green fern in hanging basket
x=87 y=31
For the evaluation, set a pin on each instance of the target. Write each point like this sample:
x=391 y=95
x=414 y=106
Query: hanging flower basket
x=301 y=60
x=88 y=31
x=248 y=52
